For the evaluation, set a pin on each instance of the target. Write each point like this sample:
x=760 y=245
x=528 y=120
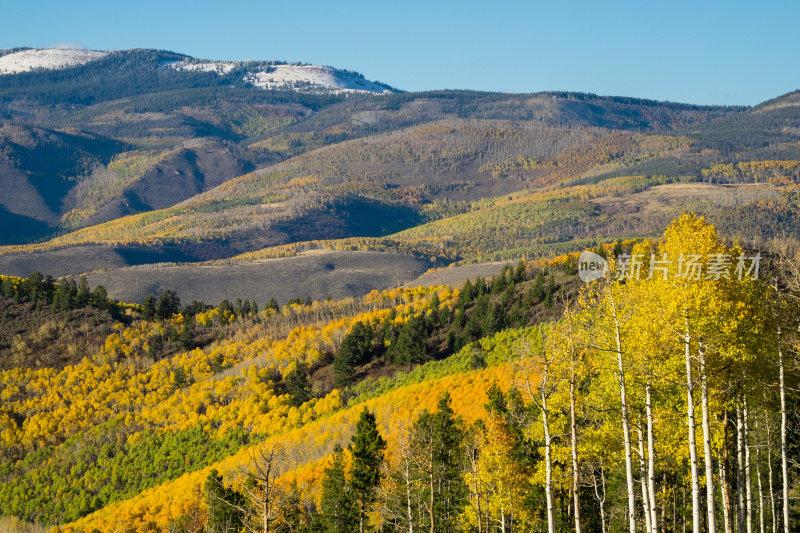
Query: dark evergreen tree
x=99 y=297
x=617 y=248
x=412 y=342
x=63 y=298
x=474 y=326
x=338 y=510
x=549 y=292
x=82 y=297
x=367 y=448
x=497 y=401
x=520 y=273
x=537 y=291
x=434 y=303
x=186 y=334
x=222 y=503
x=297 y=386
x=493 y=321
x=356 y=349
x=479 y=287
x=149 y=307
x=167 y=304
x=437 y=441
x=466 y=293
x=459 y=318
x=445 y=316
x=499 y=281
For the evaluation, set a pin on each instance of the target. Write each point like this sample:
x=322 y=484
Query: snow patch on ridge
x=289 y=76
x=313 y=77
x=46 y=58
x=220 y=67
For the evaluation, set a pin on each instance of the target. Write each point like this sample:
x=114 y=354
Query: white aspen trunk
x=651 y=466
x=761 y=526
x=601 y=500
x=772 y=513
x=643 y=482
x=740 y=507
x=784 y=449
x=722 y=488
x=548 y=484
x=692 y=437
x=574 y=443
x=408 y=498
x=748 y=483
x=683 y=506
x=626 y=432
x=709 y=463
x=723 y=477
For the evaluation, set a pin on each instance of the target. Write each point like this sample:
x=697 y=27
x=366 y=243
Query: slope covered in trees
x=125 y=148
x=661 y=397
x=457 y=178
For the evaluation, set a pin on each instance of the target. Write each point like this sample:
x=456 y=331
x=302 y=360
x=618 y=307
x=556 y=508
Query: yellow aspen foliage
x=502 y=482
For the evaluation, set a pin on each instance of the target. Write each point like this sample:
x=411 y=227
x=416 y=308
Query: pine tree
x=411 y=342
x=222 y=503
x=149 y=307
x=338 y=510
x=356 y=349
x=186 y=334
x=82 y=298
x=367 y=448
x=436 y=442
x=167 y=304
x=520 y=272
x=297 y=386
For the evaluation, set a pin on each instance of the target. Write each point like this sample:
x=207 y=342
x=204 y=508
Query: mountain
x=25 y=60
x=265 y=74
x=208 y=160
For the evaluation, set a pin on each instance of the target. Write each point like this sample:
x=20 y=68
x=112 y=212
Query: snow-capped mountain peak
x=46 y=58
x=290 y=76
x=264 y=74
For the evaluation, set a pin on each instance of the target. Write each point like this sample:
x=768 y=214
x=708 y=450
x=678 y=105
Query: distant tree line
x=64 y=295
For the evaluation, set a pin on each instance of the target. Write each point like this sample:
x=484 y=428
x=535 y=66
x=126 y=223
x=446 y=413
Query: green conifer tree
x=367 y=447
x=338 y=511
x=222 y=503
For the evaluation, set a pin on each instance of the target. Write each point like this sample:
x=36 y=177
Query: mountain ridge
x=288 y=76
x=194 y=164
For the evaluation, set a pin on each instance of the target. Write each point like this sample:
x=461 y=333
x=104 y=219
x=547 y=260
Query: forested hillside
x=237 y=173
x=121 y=148
x=660 y=397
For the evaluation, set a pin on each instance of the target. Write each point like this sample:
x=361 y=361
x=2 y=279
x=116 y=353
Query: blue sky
x=730 y=52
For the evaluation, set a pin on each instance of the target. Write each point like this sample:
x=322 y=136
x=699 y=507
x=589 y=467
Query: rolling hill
x=194 y=163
